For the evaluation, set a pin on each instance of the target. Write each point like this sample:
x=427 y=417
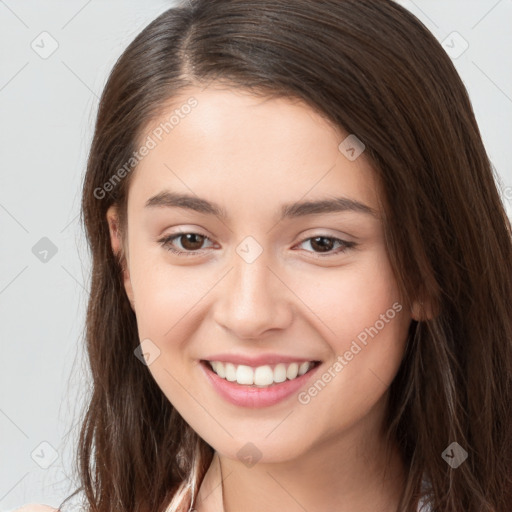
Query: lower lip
x=252 y=396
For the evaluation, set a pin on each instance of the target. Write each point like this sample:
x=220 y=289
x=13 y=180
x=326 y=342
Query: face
x=274 y=264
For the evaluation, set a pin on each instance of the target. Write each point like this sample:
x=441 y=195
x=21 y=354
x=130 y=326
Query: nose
x=252 y=300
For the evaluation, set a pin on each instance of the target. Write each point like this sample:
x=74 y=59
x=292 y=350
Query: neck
x=352 y=471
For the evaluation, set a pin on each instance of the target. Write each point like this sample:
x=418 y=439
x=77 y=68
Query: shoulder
x=34 y=507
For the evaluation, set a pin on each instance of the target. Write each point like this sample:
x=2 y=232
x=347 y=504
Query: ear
x=421 y=310
x=116 y=241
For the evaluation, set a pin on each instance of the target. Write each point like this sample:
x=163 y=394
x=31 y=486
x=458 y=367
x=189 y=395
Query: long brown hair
x=372 y=68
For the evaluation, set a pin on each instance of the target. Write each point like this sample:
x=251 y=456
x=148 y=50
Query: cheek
x=362 y=319
x=351 y=300
x=341 y=308
x=164 y=293
x=167 y=301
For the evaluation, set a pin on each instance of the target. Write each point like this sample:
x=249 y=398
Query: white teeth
x=280 y=373
x=262 y=375
x=220 y=370
x=230 y=371
x=292 y=371
x=245 y=375
x=303 y=368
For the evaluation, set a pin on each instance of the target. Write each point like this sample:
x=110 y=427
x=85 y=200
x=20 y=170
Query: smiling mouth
x=260 y=376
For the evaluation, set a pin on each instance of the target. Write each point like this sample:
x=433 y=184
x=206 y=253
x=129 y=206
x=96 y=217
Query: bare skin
x=250 y=156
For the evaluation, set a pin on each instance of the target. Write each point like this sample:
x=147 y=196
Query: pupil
x=323 y=247
x=189 y=239
x=323 y=244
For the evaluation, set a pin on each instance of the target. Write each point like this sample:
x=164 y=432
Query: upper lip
x=255 y=361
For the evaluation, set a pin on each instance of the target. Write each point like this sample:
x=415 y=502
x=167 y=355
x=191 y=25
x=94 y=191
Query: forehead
x=227 y=144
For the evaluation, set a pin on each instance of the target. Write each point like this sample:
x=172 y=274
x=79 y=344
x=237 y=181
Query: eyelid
x=166 y=240
x=326 y=233
x=346 y=245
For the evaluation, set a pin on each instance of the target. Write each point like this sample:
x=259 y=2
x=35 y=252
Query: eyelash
x=166 y=241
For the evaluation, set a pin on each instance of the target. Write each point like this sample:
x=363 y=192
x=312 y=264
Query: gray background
x=47 y=109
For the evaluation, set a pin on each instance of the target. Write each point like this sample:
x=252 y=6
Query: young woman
x=301 y=282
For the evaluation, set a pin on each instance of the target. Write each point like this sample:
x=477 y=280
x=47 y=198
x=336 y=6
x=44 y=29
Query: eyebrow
x=288 y=211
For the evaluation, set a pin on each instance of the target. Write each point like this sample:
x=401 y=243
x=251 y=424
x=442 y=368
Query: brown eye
x=326 y=244
x=322 y=243
x=189 y=243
